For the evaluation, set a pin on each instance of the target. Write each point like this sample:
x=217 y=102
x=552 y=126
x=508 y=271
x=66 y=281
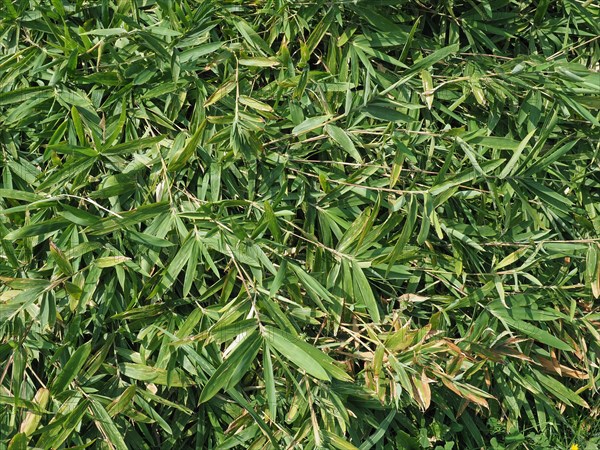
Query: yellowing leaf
x=110 y=261
x=258 y=62
x=221 y=92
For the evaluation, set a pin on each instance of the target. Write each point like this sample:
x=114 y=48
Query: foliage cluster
x=286 y=224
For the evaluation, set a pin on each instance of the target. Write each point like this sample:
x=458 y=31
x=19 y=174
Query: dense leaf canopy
x=280 y=224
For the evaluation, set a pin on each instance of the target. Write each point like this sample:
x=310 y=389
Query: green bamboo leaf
x=78 y=124
x=118 y=127
x=316 y=36
x=149 y=240
x=342 y=138
x=380 y=432
x=304 y=355
x=511 y=258
x=229 y=373
x=561 y=148
x=363 y=293
x=220 y=333
x=106 y=425
x=132 y=146
x=22 y=95
x=561 y=391
x=461 y=237
x=61 y=261
x=175 y=266
x=37 y=229
x=407 y=232
x=252 y=37
x=199 y=51
x=67 y=149
x=18 y=301
x=428 y=91
x=508 y=169
x=494 y=142
x=180 y=158
x=549 y=196
x=315 y=290
x=426 y=220
x=129 y=218
x=270 y=382
x=295 y=350
x=259 y=421
x=410 y=39
x=387 y=114
x=63 y=425
x=524 y=311
x=119 y=188
x=530 y=330
x=580 y=109
x=78 y=216
x=254 y=104
x=361 y=226
x=423 y=64
x=71 y=369
x=465 y=177
x=20 y=195
x=18 y=442
x=310 y=124
x=69 y=171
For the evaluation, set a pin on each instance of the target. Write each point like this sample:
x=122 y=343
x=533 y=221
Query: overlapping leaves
x=278 y=224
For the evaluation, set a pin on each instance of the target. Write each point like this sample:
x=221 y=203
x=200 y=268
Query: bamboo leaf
x=309 y=358
x=105 y=423
x=310 y=124
x=342 y=138
x=233 y=368
x=71 y=369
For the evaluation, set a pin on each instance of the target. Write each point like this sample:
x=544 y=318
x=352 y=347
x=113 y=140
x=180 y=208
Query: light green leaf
x=311 y=124
x=342 y=138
